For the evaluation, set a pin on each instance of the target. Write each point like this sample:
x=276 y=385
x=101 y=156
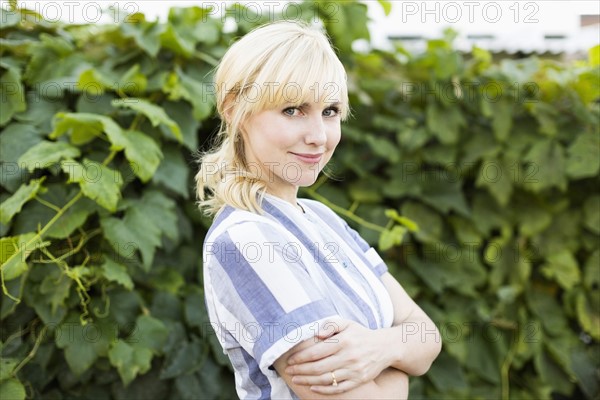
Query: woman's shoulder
x=323 y=211
x=230 y=218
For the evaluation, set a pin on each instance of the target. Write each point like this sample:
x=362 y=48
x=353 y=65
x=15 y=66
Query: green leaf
x=56 y=287
x=386 y=5
x=152 y=334
x=594 y=55
x=46 y=153
x=383 y=147
x=189 y=388
x=14 y=203
x=12 y=389
x=97 y=181
x=495 y=175
x=94 y=82
x=130 y=360
x=133 y=82
x=551 y=373
x=583 y=156
x=584 y=363
x=346 y=22
x=154 y=113
x=563 y=233
x=444 y=193
x=487 y=215
x=502 y=120
x=429 y=222
x=183 y=113
x=142 y=227
x=40 y=111
x=145 y=34
x=481 y=145
x=13 y=96
x=66 y=61
x=587 y=315
x=195 y=311
x=447 y=374
x=84 y=127
x=116 y=273
x=179 y=85
x=391 y=237
x=532 y=218
x=563 y=267
x=171 y=39
x=545 y=115
x=142 y=151
x=83 y=344
x=444 y=123
x=134 y=232
x=14 y=252
x=79 y=352
x=483 y=353
x=544 y=305
x=591 y=212
x=72 y=219
x=591 y=279
x=7 y=365
x=508 y=264
x=365 y=191
x=17 y=138
x=409 y=224
x=547 y=166
x=168 y=280
x=186 y=358
x=173 y=172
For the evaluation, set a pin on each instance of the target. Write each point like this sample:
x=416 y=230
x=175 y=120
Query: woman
x=301 y=304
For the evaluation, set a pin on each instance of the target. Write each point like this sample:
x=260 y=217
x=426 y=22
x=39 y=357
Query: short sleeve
x=262 y=293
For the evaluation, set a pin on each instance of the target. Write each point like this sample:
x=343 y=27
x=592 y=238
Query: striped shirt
x=270 y=281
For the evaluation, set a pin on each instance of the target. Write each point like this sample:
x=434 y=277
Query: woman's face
x=288 y=146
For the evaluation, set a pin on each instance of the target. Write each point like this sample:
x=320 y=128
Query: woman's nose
x=317 y=132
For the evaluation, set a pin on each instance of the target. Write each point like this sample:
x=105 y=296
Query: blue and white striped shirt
x=270 y=280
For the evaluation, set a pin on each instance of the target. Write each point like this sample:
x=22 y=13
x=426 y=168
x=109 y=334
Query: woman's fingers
x=315 y=368
x=341 y=387
x=324 y=383
x=320 y=380
x=315 y=352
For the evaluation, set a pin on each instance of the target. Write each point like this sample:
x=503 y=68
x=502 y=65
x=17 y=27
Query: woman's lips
x=309 y=158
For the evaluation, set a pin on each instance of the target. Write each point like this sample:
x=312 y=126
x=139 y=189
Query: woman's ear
x=228 y=111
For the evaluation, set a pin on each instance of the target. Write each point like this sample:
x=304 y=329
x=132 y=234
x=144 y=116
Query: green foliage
x=477 y=181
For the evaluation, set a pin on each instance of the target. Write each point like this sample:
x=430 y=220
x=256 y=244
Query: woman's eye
x=331 y=111
x=290 y=111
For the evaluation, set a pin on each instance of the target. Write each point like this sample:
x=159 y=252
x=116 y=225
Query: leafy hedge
x=496 y=164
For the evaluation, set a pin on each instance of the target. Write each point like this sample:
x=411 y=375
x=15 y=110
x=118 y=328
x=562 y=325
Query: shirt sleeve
x=263 y=295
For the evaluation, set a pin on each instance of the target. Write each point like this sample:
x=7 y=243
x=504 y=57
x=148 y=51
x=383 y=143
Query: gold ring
x=333 y=380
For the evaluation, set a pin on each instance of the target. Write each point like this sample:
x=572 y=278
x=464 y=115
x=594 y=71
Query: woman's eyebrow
x=325 y=104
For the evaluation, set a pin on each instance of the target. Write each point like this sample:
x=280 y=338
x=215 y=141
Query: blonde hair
x=259 y=72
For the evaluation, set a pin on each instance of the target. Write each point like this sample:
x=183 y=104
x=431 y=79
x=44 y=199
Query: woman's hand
x=355 y=354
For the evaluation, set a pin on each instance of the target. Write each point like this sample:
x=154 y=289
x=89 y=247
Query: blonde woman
x=301 y=304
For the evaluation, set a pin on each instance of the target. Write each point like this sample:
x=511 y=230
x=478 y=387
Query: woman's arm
x=419 y=341
x=362 y=353
x=391 y=383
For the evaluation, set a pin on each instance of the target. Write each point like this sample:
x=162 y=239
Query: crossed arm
x=367 y=363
